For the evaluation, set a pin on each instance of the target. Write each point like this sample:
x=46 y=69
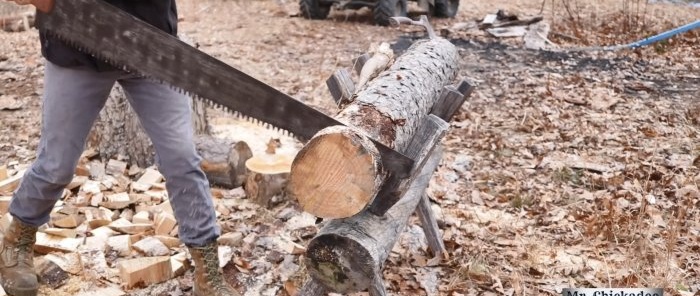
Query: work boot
x=17 y=274
x=208 y=277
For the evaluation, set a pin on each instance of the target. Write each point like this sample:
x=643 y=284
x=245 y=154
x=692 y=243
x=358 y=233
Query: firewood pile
x=114 y=229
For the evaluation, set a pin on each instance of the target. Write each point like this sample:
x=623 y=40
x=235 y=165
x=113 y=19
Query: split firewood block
x=95 y=243
x=151 y=247
x=3 y=172
x=169 y=241
x=4 y=204
x=49 y=273
x=104 y=231
x=82 y=169
x=94 y=264
x=142 y=217
x=116 y=167
x=97 y=170
x=98 y=217
x=5 y=222
x=157 y=195
x=164 y=223
x=117 y=201
x=67 y=221
x=8 y=185
x=233 y=239
x=149 y=178
x=267 y=176
x=124 y=226
x=70 y=262
x=127 y=214
x=145 y=271
x=62 y=232
x=76 y=182
x=91 y=187
x=46 y=243
x=121 y=244
x=179 y=264
x=96 y=199
x=225 y=255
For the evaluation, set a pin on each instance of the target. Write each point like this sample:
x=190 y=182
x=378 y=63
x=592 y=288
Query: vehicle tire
x=446 y=8
x=313 y=9
x=385 y=9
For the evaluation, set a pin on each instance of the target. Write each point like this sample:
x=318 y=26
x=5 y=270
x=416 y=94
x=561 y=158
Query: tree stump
x=267 y=176
x=338 y=172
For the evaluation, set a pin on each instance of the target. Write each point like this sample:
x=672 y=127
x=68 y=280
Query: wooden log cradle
x=338 y=173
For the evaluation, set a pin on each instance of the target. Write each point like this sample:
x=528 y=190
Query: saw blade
x=128 y=43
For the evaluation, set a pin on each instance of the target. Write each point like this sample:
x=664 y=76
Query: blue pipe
x=664 y=35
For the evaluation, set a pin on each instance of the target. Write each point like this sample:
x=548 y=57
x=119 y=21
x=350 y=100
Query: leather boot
x=208 y=277
x=17 y=274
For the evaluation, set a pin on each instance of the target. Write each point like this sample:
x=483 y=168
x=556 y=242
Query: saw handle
x=44 y=6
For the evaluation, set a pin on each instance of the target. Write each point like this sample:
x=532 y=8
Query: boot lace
x=25 y=243
x=211 y=268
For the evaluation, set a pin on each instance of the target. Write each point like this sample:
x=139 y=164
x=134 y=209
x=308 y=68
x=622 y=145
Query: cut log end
x=340 y=264
x=337 y=173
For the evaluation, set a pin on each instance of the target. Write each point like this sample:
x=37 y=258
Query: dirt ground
x=563 y=169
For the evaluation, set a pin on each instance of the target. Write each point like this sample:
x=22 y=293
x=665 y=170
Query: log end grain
x=337 y=173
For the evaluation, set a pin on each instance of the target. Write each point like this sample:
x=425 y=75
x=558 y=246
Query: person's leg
x=166 y=116
x=72 y=100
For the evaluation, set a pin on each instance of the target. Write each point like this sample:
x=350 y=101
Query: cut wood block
x=98 y=217
x=92 y=187
x=70 y=262
x=4 y=204
x=157 y=195
x=76 y=182
x=104 y=231
x=46 y=243
x=82 y=169
x=3 y=172
x=151 y=247
x=127 y=214
x=179 y=263
x=97 y=170
x=147 y=180
x=94 y=243
x=96 y=199
x=116 y=167
x=142 y=217
x=10 y=184
x=49 y=273
x=233 y=239
x=117 y=201
x=165 y=223
x=124 y=226
x=68 y=221
x=95 y=265
x=62 y=232
x=169 y=241
x=121 y=244
x=145 y=271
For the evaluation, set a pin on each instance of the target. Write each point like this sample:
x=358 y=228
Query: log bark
x=348 y=254
x=337 y=167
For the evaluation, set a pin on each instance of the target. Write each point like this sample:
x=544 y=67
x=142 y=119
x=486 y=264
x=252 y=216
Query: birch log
x=338 y=172
x=348 y=254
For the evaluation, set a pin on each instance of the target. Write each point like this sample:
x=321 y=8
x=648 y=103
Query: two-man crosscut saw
x=126 y=42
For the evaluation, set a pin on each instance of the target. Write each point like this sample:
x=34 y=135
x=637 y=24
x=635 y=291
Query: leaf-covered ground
x=563 y=169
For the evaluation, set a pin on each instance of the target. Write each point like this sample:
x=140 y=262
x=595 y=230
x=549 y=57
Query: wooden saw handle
x=44 y=6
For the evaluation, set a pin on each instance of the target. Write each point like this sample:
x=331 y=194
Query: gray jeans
x=72 y=101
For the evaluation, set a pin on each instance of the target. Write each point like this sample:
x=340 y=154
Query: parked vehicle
x=382 y=10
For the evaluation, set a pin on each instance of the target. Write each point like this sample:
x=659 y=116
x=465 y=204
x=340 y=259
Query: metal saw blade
x=126 y=42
